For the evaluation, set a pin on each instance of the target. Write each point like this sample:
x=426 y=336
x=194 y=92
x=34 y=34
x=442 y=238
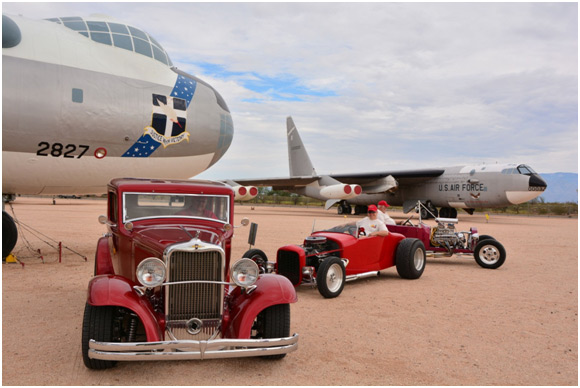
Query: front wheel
x=272 y=322
x=330 y=277
x=98 y=324
x=489 y=253
x=259 y=257
x=410 y=258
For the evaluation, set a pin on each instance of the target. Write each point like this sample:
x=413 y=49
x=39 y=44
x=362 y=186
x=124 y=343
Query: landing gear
x=9 y=234
x=360 y=209
x=448 y=212
x=429 y=211
x=344 y=208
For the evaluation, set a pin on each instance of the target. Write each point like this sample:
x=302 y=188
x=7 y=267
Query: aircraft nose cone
x=537 y=181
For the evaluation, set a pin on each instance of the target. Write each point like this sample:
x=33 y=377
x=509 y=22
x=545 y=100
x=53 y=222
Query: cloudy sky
x=374 y=86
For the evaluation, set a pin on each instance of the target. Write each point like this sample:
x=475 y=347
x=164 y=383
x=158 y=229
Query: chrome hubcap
x=489 y=254
x=334 y=277
x=418 y=259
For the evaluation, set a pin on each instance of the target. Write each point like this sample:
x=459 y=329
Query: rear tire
x=330 y=277
x=410 y=258
x=273 y=322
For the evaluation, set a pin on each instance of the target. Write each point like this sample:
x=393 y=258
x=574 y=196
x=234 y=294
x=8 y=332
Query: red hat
x=384 y=203
x=372 y=209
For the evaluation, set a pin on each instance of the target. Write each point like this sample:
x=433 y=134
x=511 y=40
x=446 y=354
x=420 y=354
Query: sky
x=374 y=86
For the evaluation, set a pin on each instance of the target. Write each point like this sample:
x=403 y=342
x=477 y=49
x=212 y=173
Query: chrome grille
x=194 y=300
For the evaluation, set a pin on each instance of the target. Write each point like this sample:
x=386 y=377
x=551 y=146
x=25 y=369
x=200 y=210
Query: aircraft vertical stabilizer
x=298 y=159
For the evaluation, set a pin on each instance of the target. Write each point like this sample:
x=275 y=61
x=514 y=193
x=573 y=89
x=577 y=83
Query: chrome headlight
x=245 y=272
x=151 y=272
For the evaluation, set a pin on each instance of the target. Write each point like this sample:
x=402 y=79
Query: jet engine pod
x=245 y=193
x=340 y=191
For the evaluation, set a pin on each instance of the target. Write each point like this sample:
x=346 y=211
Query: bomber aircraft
x=88 y=99
x=449 y=188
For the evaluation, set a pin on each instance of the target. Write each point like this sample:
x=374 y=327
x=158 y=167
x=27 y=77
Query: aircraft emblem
x=168 y=120
x=475 y=196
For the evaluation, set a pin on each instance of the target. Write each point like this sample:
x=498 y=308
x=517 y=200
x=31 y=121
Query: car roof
x=196 y=186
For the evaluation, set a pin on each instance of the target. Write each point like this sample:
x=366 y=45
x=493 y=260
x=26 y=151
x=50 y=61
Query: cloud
x=375 y=86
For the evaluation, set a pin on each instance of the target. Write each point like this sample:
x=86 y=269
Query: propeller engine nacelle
x=341 y=191
x=244 y=193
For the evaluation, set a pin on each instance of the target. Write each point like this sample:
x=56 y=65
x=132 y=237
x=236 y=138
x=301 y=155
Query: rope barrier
x=56 y=245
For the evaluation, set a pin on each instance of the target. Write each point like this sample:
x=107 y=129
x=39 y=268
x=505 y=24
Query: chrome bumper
x=191 y=350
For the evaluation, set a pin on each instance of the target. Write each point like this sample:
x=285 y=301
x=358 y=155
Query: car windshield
x=326 y=226
x=138 y=206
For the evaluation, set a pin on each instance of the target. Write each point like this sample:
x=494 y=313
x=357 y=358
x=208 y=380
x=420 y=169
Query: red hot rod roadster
x=330 y=257
x=163 y=288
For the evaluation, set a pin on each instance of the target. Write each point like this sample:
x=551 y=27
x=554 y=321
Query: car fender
x=111 y=290
x=103 y=261
x=271 y=289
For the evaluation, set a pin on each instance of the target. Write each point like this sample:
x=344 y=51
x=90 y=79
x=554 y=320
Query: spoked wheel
x=272 y=322
x=330 y=277
x=489 y=253
x=259 y=257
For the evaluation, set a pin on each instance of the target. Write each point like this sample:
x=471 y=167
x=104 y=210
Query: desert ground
x=459 y=324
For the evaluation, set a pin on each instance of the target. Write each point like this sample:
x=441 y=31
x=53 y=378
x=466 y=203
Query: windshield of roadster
x=327 y=226
x=139 y=206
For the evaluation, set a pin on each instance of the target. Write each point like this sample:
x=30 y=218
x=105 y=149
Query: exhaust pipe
x=350 y=278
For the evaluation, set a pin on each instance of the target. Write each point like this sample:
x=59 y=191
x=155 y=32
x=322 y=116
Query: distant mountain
x=562 y=187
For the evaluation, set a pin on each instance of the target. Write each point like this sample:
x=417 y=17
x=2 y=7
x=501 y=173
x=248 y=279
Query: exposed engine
x=315 y=248
x=444 y=235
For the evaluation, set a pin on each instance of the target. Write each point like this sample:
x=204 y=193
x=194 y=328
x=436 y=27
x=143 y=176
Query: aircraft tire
x=9 y=234
x=259 y=257
x=489 y=253
x=410 y=258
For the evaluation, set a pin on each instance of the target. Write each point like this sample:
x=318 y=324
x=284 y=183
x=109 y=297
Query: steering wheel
x=408 y=222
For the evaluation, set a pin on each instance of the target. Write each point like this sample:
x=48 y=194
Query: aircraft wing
x=402 y=177
x=278 y=183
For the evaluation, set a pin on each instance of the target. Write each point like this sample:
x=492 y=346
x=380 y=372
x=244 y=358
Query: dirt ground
x=459 y=324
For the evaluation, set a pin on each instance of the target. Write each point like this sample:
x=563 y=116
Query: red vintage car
x=163 y=288
x=330 y=257
x=444 y=240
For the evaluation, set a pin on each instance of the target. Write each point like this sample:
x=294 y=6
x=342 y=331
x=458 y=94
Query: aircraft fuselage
x=78 y=112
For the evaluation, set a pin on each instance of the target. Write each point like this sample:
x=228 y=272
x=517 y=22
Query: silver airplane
x=88 y=99
x=449 y=188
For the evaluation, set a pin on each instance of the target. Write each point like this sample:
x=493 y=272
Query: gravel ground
x=458 y=324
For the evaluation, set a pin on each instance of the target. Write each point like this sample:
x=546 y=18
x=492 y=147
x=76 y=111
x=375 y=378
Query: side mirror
x=245 y=221
x=103 y=219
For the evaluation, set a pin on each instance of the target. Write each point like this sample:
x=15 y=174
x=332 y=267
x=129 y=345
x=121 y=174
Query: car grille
x=203 y=301
x=289 y=266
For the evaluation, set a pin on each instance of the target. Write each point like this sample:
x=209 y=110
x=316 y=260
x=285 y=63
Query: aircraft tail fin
x=298 y=159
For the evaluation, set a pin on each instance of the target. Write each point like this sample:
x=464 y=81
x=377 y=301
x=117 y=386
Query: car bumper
x=191 y=350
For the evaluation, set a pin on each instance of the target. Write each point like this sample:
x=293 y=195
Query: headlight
x=151 y=272
x=245 y=272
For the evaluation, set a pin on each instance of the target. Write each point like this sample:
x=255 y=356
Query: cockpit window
x=526 y=170
x=11 y=35
x=509 y=171
x=117 y=35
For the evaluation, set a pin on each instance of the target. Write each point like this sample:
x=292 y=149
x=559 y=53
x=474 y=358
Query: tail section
x=298 y=159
